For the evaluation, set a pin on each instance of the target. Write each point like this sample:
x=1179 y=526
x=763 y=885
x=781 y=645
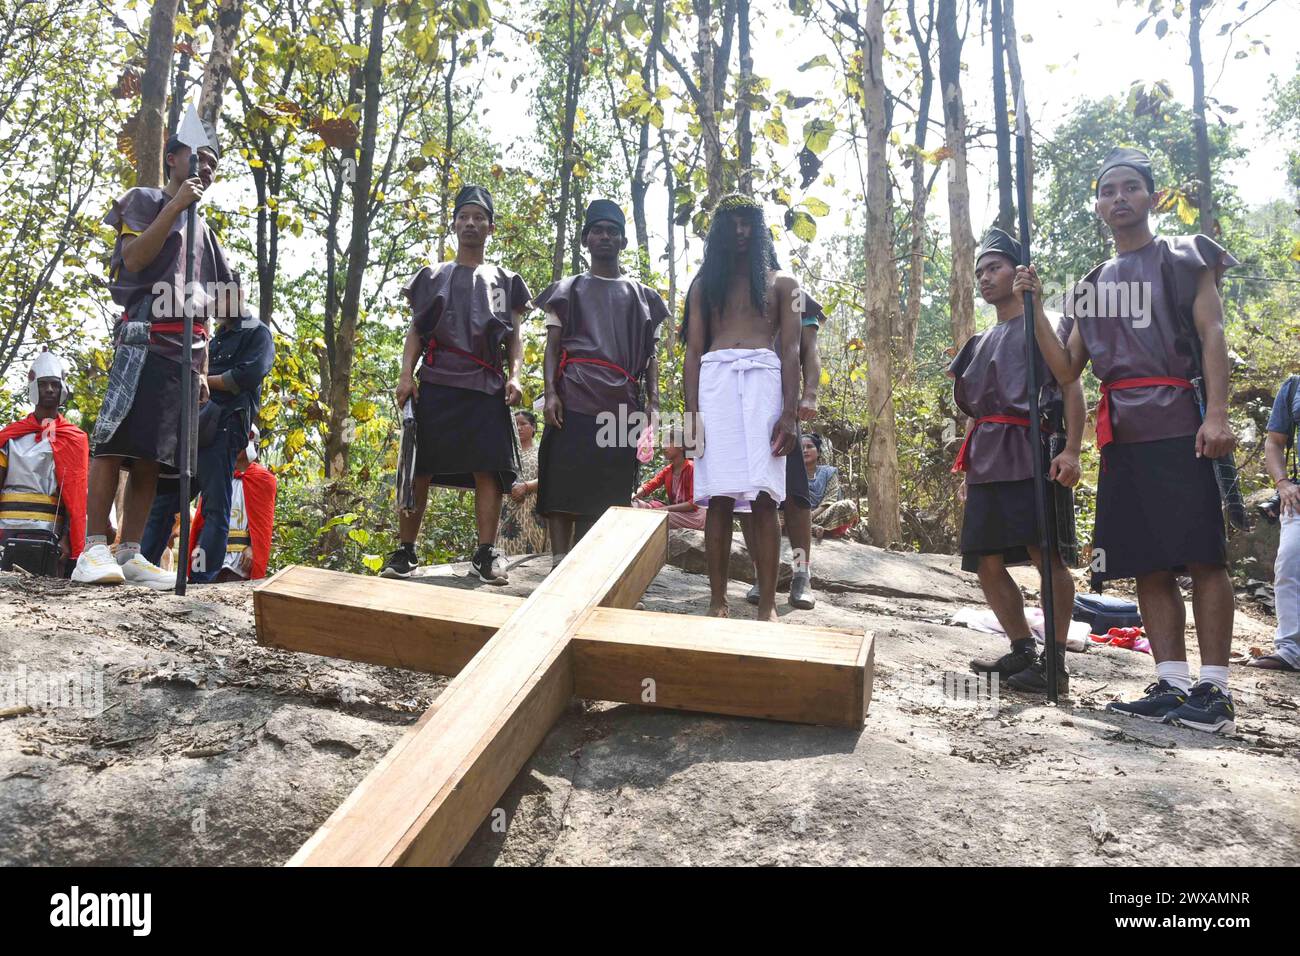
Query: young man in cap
x=601 y=374
x=241 y=354
x=741 y=396
x=1142 y=318
x=138 y=426
x=43 y=465
x=465 y=318
x=1000 y=523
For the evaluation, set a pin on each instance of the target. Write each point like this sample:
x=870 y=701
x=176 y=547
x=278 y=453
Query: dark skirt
x=796 y=479
x=1158 y=509
x=1000 y=519
x=575 y=475
x=460 y=431
x=151 y=429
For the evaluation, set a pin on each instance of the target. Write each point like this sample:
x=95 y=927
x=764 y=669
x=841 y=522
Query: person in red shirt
x=677 y=478
x=252 y=519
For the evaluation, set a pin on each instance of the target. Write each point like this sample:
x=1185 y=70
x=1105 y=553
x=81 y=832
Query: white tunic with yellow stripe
x=239 y=557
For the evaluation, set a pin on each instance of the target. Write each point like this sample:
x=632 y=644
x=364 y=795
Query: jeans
x=1286 y=591
x=215 y=478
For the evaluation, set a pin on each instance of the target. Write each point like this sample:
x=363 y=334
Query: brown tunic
x=1131 y=329
x=614 y=320
x=133 y=214
x=468 y=309
x=990 y=380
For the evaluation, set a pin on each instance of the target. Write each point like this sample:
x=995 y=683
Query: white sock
x=95 y=539
x=1176 y=673
x=127 y=550
x=1216 y=675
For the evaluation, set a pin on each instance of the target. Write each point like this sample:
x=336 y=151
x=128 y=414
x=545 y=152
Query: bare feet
x=1271 y=662
x=719 y=610
x=770 y=616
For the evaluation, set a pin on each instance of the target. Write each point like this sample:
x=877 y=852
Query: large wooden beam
x=816 y=675
x=423 y=802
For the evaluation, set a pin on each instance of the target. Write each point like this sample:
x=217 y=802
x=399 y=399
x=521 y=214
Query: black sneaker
x=399 y=564
x=1207 y=708
x=1014 y=661
x=1162 y=699
x=490 y=566
x=1033 y=679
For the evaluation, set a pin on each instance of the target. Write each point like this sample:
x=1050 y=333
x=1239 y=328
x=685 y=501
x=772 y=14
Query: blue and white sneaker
x=1162 y=699
x=1207 y=708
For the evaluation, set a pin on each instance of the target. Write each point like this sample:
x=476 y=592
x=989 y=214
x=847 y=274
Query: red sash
x=434 y=348
x=565 y=359
x=963 y=461
x=1105 y=434
x=177 y=328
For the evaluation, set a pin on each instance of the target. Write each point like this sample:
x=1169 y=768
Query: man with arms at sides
x=43 y=465
x=1000 y=523
x=1141 y=318
x=1278 y=446
x=601 y=373
x=741 y=396
x=465 y=318
x=138 y=426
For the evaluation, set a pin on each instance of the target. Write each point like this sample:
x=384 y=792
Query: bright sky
x=1074 y=50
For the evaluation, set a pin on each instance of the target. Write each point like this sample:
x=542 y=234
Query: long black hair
x=720 y=254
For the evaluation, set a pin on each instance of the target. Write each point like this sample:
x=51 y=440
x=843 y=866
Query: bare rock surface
x=205 y=748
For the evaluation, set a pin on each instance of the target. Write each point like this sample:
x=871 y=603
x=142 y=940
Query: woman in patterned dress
x=522 y=532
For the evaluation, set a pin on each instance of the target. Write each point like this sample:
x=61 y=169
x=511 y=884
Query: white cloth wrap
x=740 y=402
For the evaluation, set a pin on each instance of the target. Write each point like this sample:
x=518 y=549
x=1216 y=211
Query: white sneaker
x=97 y=566
x=140 y=570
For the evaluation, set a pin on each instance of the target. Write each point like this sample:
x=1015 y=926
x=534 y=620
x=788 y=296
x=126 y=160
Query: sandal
x=1276 y=663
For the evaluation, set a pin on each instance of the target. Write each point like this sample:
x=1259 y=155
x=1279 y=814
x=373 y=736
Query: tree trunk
x=447 y=106
x=153 y=93
x=571 y=80
x=1013 y=63
x=743 y=134
x=704 y=104
x=880 y=299
x=216 y=72
x=1006 y=219
x=920 y=183
x=961 y=285
x=338 y=441
x=1204 y=194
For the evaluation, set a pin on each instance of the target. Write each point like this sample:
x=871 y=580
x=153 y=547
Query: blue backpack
x=1102 y=612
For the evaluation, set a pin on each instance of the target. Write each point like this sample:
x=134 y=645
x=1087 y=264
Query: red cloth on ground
x=259 y=503
x=71 y=468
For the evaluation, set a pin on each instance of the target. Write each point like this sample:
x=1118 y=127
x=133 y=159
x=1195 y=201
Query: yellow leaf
x=825 y=378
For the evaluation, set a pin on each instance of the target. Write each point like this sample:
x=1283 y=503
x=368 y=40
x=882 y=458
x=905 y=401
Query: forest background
x=877 y=134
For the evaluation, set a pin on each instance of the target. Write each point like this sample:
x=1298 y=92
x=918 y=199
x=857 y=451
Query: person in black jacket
x=240 y=357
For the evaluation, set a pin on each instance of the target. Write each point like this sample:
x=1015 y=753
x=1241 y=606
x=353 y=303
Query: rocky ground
x=211 y=749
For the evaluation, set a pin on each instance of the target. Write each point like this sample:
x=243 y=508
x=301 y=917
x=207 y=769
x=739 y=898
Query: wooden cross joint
x=518 y=662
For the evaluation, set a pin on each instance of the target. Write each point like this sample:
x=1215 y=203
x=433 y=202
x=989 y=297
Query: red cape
x=71 y=469
x=259 y=502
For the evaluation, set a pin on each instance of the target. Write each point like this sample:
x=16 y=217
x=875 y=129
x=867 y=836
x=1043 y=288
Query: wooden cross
x=517 y=663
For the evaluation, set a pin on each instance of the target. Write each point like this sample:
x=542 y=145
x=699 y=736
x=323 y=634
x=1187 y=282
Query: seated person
x=44 y=460
x=677 y=478
x=252 y=520
x=832 y=513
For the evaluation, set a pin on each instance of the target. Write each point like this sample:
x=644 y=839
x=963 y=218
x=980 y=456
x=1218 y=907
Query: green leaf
x=360 y=535
x=816 y=206
x=803 y=225
x=821 y=59
x=817 y=135
x=775 y=130
x=372 y=561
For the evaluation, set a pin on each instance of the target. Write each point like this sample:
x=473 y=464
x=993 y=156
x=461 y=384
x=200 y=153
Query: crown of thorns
x=735 y=201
